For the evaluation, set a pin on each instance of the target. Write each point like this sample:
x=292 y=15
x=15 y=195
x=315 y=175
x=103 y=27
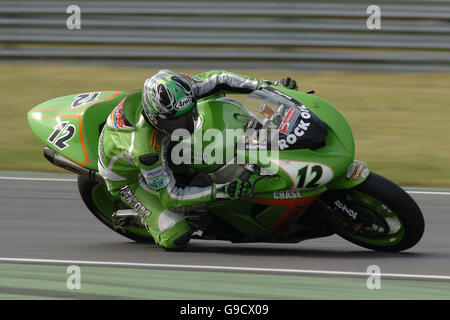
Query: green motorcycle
x=328 y=191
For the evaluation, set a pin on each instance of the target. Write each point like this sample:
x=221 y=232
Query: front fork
x=336 y=221
x=356 y=173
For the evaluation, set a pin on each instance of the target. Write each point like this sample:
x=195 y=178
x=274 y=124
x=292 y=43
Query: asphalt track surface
x=47 y=221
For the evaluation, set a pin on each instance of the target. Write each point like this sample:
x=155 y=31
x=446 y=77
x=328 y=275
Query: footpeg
x=125 y=218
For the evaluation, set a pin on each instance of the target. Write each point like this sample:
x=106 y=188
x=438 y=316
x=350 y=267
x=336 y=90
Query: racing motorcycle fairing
x=70 y=125
x=279 y=211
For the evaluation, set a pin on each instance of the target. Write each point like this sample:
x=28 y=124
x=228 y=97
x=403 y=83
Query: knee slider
x=175 y=231
x=178 y=243
x=183 y=239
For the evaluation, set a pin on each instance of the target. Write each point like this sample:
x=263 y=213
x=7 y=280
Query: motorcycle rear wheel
x=381 y=215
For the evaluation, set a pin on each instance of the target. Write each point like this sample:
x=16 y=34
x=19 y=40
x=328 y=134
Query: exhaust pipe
x=62 y=162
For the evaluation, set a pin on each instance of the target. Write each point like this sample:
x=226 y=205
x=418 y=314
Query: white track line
x=74 y=180
x=36 y=179
x=428 y=192
x=221 y=268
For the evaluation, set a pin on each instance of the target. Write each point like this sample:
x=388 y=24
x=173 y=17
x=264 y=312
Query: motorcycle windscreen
x=297 y=126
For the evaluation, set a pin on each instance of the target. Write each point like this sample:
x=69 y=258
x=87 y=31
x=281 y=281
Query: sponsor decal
x=118 y=115
x=130 y=199
x=255 y=147
x=155 y=178
x=252 y=144
x=299 y=130
x=304 y=112
x=183 y=103
x=365 y=173
x=261 y=139
x=358 y=172
x=149 y=174
x=157 y=183
x=117 y=118
x=287 y=194
x=351 y=213
x=156 y=140
x=350 y=170
x=289 y=120
x=283 y=94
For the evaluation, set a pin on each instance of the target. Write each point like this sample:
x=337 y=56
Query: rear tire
x=89 y=189
x=390 y=219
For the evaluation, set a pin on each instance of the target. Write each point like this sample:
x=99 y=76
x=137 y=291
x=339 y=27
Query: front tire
x=381 y=216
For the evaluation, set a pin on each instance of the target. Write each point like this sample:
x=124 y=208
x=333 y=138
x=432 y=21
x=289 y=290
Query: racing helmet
x=169 y=102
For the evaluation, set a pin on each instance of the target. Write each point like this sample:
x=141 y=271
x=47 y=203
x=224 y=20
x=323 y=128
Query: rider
x=133 y=149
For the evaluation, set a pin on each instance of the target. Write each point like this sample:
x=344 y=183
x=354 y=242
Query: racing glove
x=237 y=188
x=287 y=83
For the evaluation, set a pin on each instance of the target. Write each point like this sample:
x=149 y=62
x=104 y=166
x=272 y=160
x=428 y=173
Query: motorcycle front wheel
x=377 y=215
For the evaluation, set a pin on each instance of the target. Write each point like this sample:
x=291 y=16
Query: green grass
x=28 y=281
x=400 y=121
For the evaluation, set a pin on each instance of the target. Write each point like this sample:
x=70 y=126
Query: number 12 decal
x=85 y=98
x=68 y=131
x=307 y=175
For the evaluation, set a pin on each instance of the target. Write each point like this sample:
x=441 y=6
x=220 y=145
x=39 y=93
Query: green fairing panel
x=238 y=214
x=339 y=151
x=70 y=125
